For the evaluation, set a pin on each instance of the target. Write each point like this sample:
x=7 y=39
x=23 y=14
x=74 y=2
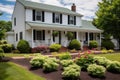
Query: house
x=36 y=22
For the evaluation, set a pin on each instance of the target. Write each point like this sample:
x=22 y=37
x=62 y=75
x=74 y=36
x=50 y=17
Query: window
x=57 y=18
x=39 y=35
x=38 y=16
x=72 y=20
x=16 y=37
x=14 y=21
x=21 y=35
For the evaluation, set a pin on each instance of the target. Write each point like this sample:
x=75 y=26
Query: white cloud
x=85 y=7
x=6 y=8
x=11 y=0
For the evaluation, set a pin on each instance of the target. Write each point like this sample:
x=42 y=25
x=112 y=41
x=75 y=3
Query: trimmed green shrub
x=38 y=61
x=64 y=56
x=6 y=47
x=108 y=44
x=72 y=72
x=3 y=42
x=74 y=44
x=66 y=63
x=50 y=64
x=96 y=70
x=102 y=61
x=55 y=47
x=23 y=46
x=1 y=53
x=114 y=67
x=85 y=61
x=93 y=44
x=104 y=51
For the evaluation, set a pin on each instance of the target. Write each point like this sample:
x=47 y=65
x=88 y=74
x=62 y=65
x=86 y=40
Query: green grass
x=112 y=56
x=12 y=71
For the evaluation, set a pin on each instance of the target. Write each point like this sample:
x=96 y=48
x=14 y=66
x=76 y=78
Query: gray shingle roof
x=47 y=7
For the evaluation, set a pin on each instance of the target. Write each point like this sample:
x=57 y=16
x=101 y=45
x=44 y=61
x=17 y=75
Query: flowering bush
x=96 y=70
x=102 y=61
x=72 y=72
x=65 y=56
x=84 y=61
x=50 y=64
x=40 y=49
x=55 y=47
x=38 y=61
x=66 y=63
x=114 y=67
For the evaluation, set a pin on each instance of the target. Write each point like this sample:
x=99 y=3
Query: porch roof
x=42 y=25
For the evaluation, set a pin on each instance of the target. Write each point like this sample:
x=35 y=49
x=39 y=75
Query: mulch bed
x=56 y=75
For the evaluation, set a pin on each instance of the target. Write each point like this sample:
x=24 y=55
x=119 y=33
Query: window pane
x=71 y=20
x=38 y=15
x=57 y=18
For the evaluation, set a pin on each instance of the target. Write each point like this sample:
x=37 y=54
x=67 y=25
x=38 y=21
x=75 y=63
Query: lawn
x=11 y=71
x=113 y=56
x=17 y=55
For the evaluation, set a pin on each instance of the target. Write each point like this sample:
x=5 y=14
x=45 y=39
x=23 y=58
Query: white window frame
x=40 y=15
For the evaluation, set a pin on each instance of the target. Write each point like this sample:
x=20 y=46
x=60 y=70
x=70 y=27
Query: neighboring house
x=35 y=22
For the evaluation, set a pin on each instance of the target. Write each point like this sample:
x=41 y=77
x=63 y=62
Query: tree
x=4 y=27
x=108 y=18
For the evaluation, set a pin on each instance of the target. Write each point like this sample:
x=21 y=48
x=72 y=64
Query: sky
x=85 y=7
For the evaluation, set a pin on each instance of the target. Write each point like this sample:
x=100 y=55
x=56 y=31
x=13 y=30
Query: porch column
x=100 y=39
x=88 y=38
x=77 y=36
x=51 y=37
x=32 y=42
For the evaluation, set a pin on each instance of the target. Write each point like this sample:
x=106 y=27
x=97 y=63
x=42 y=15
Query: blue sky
x=85 y=7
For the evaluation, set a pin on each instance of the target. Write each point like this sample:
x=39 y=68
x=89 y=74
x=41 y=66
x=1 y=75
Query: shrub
x=102 y=61
x=70 y=35
x=93 y=44
x=114 y=67
x=3 y=42
x=65 y=56
x=23 y=46
x=38 y=61
x=74 y=44
x=72 y=72
x=96 y=70
x=104 y=51
x=85 y=61
x=73 y=51
x=15 y=51
x=40 y=49
x=110 y=51
x=7 y=48
x=50 y=64
x=55 y=47
x=108 y=44
x=1 y=53
x=66 y=63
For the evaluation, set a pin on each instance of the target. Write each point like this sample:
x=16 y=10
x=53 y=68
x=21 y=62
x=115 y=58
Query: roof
x=42 y=25
x=88 y=25
x=47 y=7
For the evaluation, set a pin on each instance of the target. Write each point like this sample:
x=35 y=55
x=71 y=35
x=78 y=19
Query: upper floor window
x=72 y=20
x=38 y=15
x=57 y=18
x=15 y=21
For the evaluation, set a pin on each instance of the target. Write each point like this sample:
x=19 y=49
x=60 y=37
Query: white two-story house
x=35 y=22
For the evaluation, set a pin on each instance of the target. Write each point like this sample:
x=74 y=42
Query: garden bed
x=56 y=75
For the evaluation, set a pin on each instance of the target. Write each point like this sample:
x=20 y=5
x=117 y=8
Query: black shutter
x=53 y=17
x=43 y=34
x=68 y=19
x=60 y=18
x=43 y=16
x=74 y=20
x=33 y=15
x=34 y=34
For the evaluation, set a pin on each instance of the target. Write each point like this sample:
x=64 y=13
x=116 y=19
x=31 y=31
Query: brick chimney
x=73 y=7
